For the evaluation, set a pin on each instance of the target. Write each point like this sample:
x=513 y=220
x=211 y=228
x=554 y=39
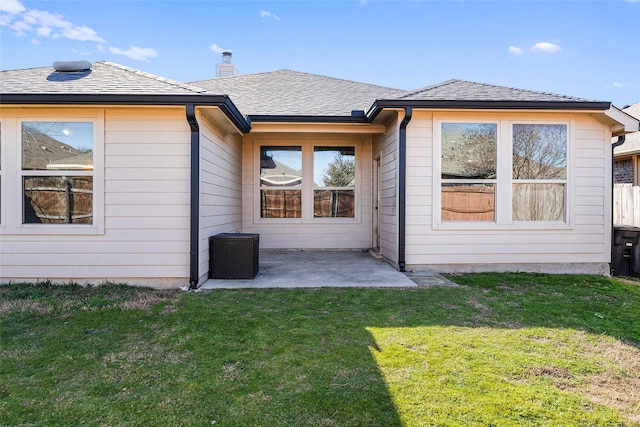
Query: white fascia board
x=623 y=122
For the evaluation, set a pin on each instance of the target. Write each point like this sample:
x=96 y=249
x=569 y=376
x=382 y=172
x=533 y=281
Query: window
x=469 y=174
x=334 y=170
x=281 y=182
x=57 y=172
x=539 y=164
x=502 y=172
x=310 y=181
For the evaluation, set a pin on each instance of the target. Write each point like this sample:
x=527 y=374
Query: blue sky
x=584 y=48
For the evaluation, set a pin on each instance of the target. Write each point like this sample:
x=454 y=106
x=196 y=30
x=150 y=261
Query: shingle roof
x=103 y=78
x=293 y=93
x=632 y=140
x=462 y=90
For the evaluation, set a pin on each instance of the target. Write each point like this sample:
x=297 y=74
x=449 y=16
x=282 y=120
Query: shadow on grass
x=475 y=355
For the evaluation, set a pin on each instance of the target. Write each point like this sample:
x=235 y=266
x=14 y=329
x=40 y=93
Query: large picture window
x=503 y=171
x=57 y=172
x=308 y=181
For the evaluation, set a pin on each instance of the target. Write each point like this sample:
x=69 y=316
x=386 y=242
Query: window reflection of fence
x=333 y=204
x=468 y=203
x=281 y=204
x=58 y=200
x=538 y=202
x=626 y=208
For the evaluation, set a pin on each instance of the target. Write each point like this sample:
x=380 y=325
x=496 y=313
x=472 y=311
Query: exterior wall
x=385 y=148
x=220 y=187
x=308 y=233
x=623 y=171
x=583 y=244
x=142 y=228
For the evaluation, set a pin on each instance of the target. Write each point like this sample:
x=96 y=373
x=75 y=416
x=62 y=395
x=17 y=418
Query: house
x=458 y=176
x=626 y=170
x=627 y=156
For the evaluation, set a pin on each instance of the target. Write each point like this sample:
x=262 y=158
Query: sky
x=583 y=48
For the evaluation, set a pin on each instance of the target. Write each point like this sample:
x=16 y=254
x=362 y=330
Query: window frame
x=13 y=175
x=504 y=174
x=307 y=188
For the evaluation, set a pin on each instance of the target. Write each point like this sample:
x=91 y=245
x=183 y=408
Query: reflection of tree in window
x=539 y=151
x=340 y=172
x=469 y=150
x=539 y=172
x=335 y=196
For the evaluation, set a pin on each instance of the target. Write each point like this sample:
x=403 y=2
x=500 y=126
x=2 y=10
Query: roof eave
x=279 y=118
x=221 y=101
x=623 y=123
x=382 y=104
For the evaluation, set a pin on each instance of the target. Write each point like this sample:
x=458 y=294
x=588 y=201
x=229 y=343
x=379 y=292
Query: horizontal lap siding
x=386 y=147
x=146 y=210
x=586 y=241
x=220 y=187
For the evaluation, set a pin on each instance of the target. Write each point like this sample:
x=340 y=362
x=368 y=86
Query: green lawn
x=501 y=350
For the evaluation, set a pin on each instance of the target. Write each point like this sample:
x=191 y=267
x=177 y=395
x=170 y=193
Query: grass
x=501 y=350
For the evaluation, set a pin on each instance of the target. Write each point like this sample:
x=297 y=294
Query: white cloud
x=514 y=50
x=136 y=53
x=217 y=49
x=545 y=47
x=12 y=7
x=35 y=41
x=44 y=24
x=100 y=48
x=616 y=85
x=264 y=14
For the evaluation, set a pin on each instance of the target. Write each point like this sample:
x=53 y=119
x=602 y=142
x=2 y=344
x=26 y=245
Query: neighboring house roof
x=293 y=93
x=632 y=141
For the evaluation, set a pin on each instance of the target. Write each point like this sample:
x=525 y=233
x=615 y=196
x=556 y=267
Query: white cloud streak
x=514 y=50
x=42 y=23
x=217 y=49
x=136 y=53
x=545 y=47
x=265 y=14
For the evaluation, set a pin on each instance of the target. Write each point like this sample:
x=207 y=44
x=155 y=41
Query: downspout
x=194 y=225
x=402 y=184
x=618 y=143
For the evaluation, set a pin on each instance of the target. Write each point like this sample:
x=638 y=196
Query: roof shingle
x=293 y=93
x=104 y=78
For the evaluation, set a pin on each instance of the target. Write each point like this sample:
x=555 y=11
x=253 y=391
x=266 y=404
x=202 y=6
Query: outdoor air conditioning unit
x=233 y=256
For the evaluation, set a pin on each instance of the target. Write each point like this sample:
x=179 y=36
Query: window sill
x=493 y=226
x=53 y=229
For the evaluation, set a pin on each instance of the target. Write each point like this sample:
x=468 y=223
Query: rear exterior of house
x=451 y=177
x=136 y=226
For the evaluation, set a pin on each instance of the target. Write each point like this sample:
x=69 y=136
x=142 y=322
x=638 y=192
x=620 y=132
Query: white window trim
x=3 y=156
x=503 y=202
x=13 y=175
x=307 y=145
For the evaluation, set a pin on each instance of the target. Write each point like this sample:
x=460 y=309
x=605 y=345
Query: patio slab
x=318 y=269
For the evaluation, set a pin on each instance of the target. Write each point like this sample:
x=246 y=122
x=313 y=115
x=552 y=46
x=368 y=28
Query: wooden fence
x=626 y=204
x=58 y=200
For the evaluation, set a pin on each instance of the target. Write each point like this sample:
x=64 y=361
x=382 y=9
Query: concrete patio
x=317 y=269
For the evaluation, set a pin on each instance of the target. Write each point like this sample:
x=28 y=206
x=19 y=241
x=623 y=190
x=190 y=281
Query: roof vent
x=71 y=66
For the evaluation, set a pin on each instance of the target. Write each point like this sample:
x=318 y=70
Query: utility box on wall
x=234 y=256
